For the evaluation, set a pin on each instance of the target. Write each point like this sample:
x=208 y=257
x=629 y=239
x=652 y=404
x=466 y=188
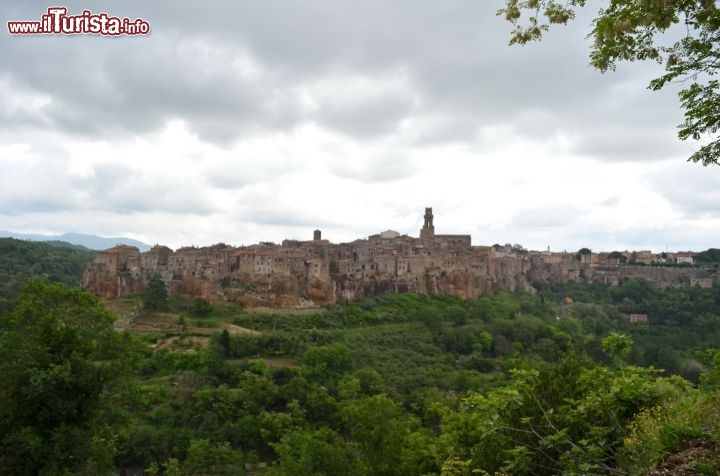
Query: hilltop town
x=299 y=273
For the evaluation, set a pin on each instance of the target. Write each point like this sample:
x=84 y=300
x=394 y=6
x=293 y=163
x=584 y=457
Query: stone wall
x=301 y=272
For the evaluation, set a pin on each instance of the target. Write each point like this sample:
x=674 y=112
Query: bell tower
x=428 y=230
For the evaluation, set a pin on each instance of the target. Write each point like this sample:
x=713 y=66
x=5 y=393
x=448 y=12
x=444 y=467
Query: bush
x=201 y=308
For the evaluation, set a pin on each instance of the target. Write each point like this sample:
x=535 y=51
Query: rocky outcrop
x=297 y=273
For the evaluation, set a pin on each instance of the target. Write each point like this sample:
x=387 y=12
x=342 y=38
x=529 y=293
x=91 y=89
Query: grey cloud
x=105 y=87
x=32 y=203
x=49 y=187
x=46 y=190
x=240 y=172
x=429 y=129
x=553 y=217
x=610 y=202
x=145 y=87
x=108 y=177
x=281 y=216
x=367 y=117
x=230 y=178
x=455 y=55
x=692 y=190
x=120 y=190
x=381 y=168
x=629 y=144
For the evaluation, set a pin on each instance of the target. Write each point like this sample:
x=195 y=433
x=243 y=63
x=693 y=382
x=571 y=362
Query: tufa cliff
x=299 y=273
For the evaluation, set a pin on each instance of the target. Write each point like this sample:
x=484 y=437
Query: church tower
x=428 y=230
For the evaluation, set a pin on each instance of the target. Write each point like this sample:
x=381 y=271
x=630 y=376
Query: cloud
x=29 y=184
x=120 y=190
x=550 y=217
x=361 y=106
x=244 y=121
x=621 y=143
x=373 y=169
x=281 y=216
x=692 y=190
x=432 y=73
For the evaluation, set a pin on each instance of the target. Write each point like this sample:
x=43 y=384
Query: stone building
x=295 y=271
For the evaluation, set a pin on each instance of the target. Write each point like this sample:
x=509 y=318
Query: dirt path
x=187 y=342
x=233 y=329
x=690 y=461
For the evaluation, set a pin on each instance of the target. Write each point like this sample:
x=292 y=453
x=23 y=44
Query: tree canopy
x=61 y=362
x=682 y=34
x=20 y=260
x=155 y=294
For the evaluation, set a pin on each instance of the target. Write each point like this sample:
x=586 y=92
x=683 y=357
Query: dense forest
x=54 y=260
x=556 y=382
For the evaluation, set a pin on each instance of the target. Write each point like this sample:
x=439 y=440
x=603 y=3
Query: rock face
x=298 y=273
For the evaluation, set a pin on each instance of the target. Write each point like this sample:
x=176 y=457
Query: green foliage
x=61 y=363
x=328 y=361
x=618 y=256
x=397 y=384
x=582 y=253
x=617 y=346
x=225 y=342
x=155 y=294
x=20 y=260
x=684 y=35
x=569 y=418
x=385 y=436
x=710 y=380
x=691 y=419
x=709 y=256
x=275 y=344
x=407 y=384
x=315 y=453
x=201 y=308
x=204 y=457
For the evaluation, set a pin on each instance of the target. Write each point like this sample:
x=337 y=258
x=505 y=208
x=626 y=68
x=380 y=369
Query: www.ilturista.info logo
x=58 y=22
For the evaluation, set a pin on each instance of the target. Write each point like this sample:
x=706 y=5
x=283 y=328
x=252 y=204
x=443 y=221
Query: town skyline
x=318 y=271
x=428 y=232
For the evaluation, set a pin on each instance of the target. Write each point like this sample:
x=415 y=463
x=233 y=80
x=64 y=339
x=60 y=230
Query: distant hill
x=56 y=261
x=92 y=242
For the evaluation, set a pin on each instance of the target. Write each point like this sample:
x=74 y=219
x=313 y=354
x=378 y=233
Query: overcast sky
x=240 y=121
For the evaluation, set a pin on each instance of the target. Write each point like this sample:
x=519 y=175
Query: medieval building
x=316 y=271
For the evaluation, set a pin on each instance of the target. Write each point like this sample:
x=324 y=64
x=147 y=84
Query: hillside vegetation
x=512 y=383
x=56 y=260
x=559 y=382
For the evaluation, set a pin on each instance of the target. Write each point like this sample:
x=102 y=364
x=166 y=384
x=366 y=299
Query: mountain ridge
x=93 y=242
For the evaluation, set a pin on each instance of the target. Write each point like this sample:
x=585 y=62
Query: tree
x=328 y=361
x=225 y=342
x=568 y=418
x=155 y=294
x=315 y=453
x=583 y=254
x=204 y=457
x=202 y=308
x=61 y=363
x=616 y=255
x=635 y=30
x=617 y=346
x=384 y=436
x=711 y=255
